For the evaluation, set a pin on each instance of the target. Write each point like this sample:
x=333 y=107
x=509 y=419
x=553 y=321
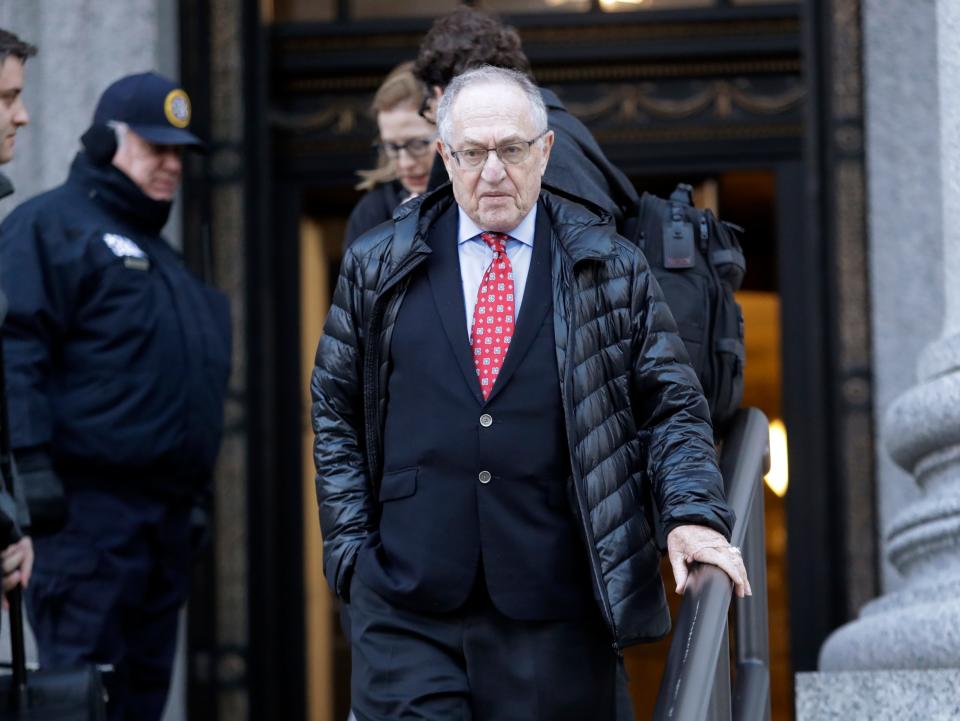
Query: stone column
x=900 y=658
x=918 y=625
x=905 y=229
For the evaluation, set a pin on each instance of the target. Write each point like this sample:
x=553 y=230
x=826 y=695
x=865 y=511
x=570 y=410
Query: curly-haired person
x=469 y=38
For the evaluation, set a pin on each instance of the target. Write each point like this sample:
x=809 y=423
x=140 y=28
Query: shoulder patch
x=123 y=247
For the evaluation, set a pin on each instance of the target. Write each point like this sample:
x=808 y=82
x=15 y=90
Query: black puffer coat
x=374 y=208
x=637 y=423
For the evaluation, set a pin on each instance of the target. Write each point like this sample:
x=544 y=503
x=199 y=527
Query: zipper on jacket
x=578 y=488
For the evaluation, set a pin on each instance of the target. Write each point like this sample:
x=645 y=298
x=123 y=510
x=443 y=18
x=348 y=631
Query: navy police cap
x=154 y=107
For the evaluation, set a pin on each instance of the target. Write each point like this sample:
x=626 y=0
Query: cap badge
x=177 y=108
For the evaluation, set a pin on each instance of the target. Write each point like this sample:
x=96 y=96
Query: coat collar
x=575 y=222
x=113 y=190
x=570 y=219
x=551 y=99
x=411 y=223
x=6 y=187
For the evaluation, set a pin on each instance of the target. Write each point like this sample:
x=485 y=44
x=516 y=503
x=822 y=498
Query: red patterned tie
x=493 y=316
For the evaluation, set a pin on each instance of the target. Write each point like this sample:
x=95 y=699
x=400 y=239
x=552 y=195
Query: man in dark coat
x=498 y=394
x=117 y=364
x=468 y=38
x=17 y=556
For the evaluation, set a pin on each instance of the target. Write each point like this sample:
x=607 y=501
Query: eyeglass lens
x=511 y=154
x=416 y=147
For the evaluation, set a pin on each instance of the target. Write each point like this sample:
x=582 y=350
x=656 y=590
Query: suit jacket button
x=485 y=476
x=486 y=420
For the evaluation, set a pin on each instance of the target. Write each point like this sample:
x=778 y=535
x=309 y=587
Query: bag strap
x=18 y=652
x=729 y=257
x=733 y=346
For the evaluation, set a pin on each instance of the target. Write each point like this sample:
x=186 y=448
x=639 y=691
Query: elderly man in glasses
x=500 y=395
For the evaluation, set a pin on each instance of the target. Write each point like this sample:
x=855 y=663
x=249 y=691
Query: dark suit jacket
x=440 y=523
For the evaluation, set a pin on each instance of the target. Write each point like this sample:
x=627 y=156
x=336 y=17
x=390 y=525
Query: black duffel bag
x=74 y=695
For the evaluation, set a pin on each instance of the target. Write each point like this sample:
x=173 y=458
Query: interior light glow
x=777 y=479
x=612 y=4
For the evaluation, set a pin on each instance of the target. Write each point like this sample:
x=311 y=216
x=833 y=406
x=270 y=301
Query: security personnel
x=117 y=365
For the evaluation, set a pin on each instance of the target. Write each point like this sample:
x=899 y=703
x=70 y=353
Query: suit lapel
x=447 y=288
x=536 y=302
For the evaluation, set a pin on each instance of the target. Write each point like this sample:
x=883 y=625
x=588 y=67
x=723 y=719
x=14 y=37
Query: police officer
x=117 y=364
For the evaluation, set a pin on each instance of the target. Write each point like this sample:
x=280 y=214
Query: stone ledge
x=878 y=696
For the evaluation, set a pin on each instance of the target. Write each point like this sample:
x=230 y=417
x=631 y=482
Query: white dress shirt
x=476 y=256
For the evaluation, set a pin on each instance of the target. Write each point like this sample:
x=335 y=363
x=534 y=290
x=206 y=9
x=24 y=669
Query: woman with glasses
x=406 y=148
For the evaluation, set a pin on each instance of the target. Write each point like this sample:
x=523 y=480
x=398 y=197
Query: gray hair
x=491 y=75
x=120 y=129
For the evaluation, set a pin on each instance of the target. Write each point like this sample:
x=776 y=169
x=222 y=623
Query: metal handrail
x=696 y=680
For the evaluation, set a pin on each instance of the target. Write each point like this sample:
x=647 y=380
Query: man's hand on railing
x=693 y=544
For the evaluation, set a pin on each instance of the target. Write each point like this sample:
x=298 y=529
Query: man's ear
x=445 y=157
x=547 y=147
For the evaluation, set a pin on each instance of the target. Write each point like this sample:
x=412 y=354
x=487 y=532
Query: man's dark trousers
x=108 y=589
x=476 y=664
x=473 y=597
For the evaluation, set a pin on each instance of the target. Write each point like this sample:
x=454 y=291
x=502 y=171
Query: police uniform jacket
x=637 y=424
x=116 y=355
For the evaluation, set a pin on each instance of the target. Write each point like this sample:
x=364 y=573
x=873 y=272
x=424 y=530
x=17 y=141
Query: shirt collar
x=468 y=230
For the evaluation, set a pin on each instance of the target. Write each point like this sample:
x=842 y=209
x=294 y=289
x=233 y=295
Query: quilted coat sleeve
x=343 y=488
x=673 y=415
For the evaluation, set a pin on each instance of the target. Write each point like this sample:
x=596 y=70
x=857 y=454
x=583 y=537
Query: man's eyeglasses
x=509 y=153
x=417 y=148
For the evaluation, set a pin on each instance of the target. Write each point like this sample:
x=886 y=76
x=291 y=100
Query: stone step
x=878 y=696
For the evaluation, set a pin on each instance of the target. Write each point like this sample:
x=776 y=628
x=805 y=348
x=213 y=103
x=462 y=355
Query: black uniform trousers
x=475 y=664
x=108 y=589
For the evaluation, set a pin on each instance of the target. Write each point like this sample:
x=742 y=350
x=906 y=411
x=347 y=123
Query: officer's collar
x=111 y=187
